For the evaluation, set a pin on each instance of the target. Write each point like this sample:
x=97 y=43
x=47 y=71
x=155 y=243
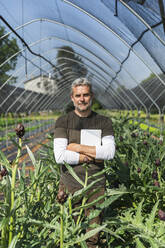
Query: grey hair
x=81 y=81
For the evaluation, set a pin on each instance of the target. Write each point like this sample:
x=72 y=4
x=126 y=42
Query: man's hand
x=85 y=159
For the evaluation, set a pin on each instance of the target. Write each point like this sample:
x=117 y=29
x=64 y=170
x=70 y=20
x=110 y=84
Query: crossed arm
x=76 y=153
x=86 y=153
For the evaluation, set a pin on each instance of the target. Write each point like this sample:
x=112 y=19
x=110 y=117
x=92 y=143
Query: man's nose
x=81 y=98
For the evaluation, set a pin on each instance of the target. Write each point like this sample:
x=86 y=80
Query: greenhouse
x=119 y=47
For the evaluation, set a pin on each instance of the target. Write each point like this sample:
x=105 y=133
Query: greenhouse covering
x=118 y=44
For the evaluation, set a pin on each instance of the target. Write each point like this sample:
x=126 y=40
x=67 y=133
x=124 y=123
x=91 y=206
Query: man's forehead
x=81 y=88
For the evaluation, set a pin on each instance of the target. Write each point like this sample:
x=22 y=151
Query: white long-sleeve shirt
x=105 y=151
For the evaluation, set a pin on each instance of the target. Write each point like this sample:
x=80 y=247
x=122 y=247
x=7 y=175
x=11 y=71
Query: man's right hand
x=85 y=159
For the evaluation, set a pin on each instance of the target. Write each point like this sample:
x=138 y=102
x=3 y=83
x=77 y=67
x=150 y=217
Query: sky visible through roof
x=18 y=12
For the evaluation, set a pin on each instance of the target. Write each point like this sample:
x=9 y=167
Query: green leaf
x=150 y=220
x=84 y=244
x=109 y=201
x=107 y=230
x=162 y=156
x=139 y=244
x=98 y=173
x=86 y=236
x=135 y=151
x=139 y=217
x=117 y=192
x=44 y=224
x=84 y=190
x=13 y=242
x=4 y=222
x=72 y=172
x=4 y=160
x=31 y=155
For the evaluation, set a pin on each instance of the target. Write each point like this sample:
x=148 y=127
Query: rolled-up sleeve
x=106 y=151
x=62 y=155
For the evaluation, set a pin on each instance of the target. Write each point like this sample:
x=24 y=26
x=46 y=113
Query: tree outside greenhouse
x=8 y=47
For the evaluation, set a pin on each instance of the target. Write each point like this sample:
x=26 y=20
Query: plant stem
x=84 y=198
x=14 y=170
x=70 y=205
x=62 y=227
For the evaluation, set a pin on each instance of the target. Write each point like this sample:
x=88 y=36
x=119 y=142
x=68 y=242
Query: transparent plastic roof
x=118 y=44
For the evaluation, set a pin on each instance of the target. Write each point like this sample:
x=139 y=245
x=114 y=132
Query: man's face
x=82 y=98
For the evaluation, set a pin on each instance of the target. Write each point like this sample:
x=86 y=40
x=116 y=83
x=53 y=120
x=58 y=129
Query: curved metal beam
x=112 y=31
x=95 y=65
x=123 y=100
x=97 y=45
x=21 y=95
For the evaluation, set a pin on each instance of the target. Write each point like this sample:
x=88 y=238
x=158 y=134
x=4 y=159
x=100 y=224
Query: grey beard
x=80 y=110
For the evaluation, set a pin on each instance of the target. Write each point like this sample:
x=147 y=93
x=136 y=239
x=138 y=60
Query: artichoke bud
x=61 y=196
x=20 y=130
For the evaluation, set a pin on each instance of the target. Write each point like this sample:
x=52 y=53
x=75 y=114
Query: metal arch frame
x=99 y=68
x=43 y=96
x=22 y=93
x=103 y=24
x=48 y=102
x=92 y=41
x=157 y=99
x=74 y=29
x=63 y=40
x=90 y=68
x=92 y=63
x=101 y=81
x=32 y=92
x=106 y=73
x=20 y=96
x=79 y=54
x=65 y=89
x=142 y=20
x=112 y=31
x=66 y=83
x=112 y=97
x=58 y=23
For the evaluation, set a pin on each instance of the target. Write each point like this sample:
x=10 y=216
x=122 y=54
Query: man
x=83 y=136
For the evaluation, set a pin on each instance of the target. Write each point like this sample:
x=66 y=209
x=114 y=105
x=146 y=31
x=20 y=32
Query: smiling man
x=83 y=136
